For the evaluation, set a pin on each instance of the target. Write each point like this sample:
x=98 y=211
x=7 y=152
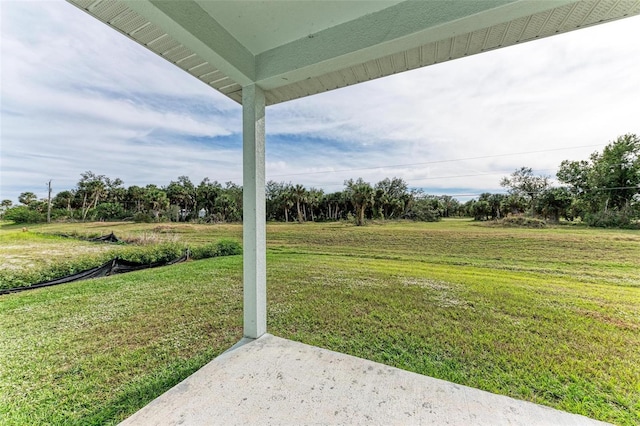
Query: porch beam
x=254 y=222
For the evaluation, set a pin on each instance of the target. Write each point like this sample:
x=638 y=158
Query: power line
x=491 y=173
x=461 y=176
x=540 y=192
x=435 y=161
x=449 y=177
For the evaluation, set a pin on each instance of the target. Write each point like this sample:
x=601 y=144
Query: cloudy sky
x=78 y=96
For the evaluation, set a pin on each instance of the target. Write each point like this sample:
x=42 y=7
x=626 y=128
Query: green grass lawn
x=547 y=315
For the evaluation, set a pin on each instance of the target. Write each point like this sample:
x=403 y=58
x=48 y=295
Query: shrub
x=109 y=211
x=10 y=278
x=613 y=218
x=23 y=214
x=163 y=252
x=522 y=222
x=204 y=251
x=423 y=211
x=220 y=248
x=228 y=248
x=143 y=218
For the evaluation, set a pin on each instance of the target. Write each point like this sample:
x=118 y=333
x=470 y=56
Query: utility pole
x=49 y=203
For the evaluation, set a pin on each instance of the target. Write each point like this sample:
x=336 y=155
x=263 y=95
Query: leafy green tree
x=228 y=205
x=109 y=211
x=525 y=184
x=554 y=203
x=609 y=181
x=280 y=200
x=425 y=208
x=23 y=214
x=38 y=205
x=4 y=206
x=207 y=194
x=361 y=195
x=495 y=204
x=155 y=200
x=467 y=208
x=513 y=204
x=390 y=197
x=450 y=206
x=115 y=191
x=225 y=207
x=26 y=198
x=577 y=175
x=275 y=194
x=63 y=200
x=182 y=193
x=134 y=200
x=481 y=210
x=90 y=188
x=434 y=202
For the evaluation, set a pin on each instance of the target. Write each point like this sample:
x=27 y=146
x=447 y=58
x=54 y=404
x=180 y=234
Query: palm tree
x=208 y=192
x=156 y=200
x=4 y=206
x=389 y=198
x=63 y=200
x=135 y=198
x=183 y=194
x=287 y=201
x=299 y=193
x=91 y=187
x=335 y=203
x=361 y=195
x=27 y=198
x=314 y=198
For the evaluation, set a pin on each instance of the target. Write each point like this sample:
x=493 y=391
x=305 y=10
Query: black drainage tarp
x=111 y=238
x=112 y=267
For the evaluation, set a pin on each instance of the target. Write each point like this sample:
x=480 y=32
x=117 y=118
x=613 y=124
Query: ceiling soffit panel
x=567 y=17
x=121 y=17
x=401 y=37
x=264 y=25
x=404 y=25
x=189 y=24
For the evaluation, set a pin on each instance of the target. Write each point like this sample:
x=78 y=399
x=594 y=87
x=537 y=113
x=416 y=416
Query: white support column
x=254 y=220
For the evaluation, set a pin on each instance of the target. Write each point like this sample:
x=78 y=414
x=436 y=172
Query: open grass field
x=547 y=315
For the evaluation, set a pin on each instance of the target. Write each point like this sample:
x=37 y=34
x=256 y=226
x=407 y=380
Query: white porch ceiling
x=293 y=49
x=241 y=18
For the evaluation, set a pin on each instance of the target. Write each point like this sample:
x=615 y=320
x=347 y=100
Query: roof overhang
x=293 y=49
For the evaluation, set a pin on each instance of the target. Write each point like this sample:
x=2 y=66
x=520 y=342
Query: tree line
x=98 y=197
x=602 y=191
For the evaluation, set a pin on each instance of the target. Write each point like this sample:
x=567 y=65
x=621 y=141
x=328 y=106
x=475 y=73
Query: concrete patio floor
x=276 y=381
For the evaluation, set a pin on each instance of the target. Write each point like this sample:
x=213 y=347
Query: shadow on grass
x=140 y=392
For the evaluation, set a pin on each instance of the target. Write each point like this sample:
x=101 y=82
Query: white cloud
x=78 y=96
x=575 y=89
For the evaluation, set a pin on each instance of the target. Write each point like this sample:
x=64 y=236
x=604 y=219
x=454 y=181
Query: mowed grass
x=550 y=316
x=92 y=352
